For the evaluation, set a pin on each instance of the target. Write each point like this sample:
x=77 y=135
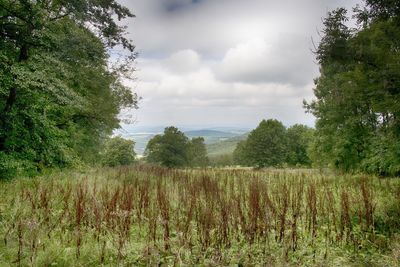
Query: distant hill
x=211 y=136
x=209 y=133
x=225 y=146
x=141 y=141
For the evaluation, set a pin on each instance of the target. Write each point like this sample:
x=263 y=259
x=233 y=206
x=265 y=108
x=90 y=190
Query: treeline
x=269 y=145
x=357 y=103
x=59 y=93
x=174 y=149
x=272 y=145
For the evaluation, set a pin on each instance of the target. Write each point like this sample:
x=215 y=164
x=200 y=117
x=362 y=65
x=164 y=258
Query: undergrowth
x=142 y=215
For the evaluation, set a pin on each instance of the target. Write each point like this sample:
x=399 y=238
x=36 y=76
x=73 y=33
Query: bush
x=11 y=166
x=118 y=151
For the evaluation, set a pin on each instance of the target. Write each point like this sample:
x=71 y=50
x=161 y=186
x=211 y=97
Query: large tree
x=197 y=153
x=299 y=138
x=169 y=149
x=58 y=97
x=265 y=145
x=240 y=154
x=357 y=95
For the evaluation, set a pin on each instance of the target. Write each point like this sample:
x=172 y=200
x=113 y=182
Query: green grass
x=141 y=216
x=224 y=147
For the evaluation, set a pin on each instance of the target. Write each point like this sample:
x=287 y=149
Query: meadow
x=151 y=216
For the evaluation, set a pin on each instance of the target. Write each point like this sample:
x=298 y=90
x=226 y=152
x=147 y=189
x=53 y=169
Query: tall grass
x=147 y=215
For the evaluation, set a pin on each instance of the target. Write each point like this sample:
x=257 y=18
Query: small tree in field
x=118 y=151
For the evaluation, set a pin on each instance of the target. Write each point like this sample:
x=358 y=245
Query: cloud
x=225 y=62
x=199 y=97
x=212 y=27
x=183 y=61
x=276 y=61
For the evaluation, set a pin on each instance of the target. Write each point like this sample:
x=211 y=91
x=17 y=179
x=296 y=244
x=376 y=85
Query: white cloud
x=183 y=61
x=226 y=62
x=199 y=97
x=274 y=61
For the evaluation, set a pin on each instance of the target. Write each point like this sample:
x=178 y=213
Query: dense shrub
x=118 y=151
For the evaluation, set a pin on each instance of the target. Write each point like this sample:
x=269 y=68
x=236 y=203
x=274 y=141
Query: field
x=225 y=147
x=148 y=216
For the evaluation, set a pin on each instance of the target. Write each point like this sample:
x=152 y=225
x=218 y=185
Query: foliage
x=152 y=216
x=58 y=98
x=197 y=152
x=266 y=145
x=240 y=155
x=299 y=138
x=272 y=145
x=357 y=95
x=118 y=151
x=174 y=149
x=169 y=149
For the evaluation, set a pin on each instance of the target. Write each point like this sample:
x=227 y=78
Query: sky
x=225 y=62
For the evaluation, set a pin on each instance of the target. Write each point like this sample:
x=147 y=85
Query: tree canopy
x=265 y=145
x=168 y=149
x=197 y=153
x=174 y=149
x=59 y=100
x=298 y=138
x=118 y=151
x=357 y=94
x=272 y=145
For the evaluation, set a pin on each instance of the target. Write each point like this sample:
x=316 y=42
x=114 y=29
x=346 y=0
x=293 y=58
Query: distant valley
x=219 y=140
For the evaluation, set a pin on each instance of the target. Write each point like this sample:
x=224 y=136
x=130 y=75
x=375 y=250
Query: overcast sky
x=225 y=62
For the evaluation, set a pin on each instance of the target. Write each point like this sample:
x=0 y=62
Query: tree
x=240 y=154
x=299 y=138
x=153 y=151
x=265 y=145
x=357 y=95
x=118 y=151
x=169 y=149
x=197 y=153
x=58 y=98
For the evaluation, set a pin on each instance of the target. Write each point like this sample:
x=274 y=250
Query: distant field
x=150 y=216
x=224 y=147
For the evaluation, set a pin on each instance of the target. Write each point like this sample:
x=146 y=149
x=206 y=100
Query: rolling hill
x=224 y=147
x=218 y=141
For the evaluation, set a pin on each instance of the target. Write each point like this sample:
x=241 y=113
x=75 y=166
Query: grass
x=146 y=216
x=225 y=147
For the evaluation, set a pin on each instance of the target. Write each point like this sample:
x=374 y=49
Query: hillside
x=225 y=146
x=214 y=137
x=209 y=133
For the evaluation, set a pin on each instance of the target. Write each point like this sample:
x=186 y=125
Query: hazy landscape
x=219 y=140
